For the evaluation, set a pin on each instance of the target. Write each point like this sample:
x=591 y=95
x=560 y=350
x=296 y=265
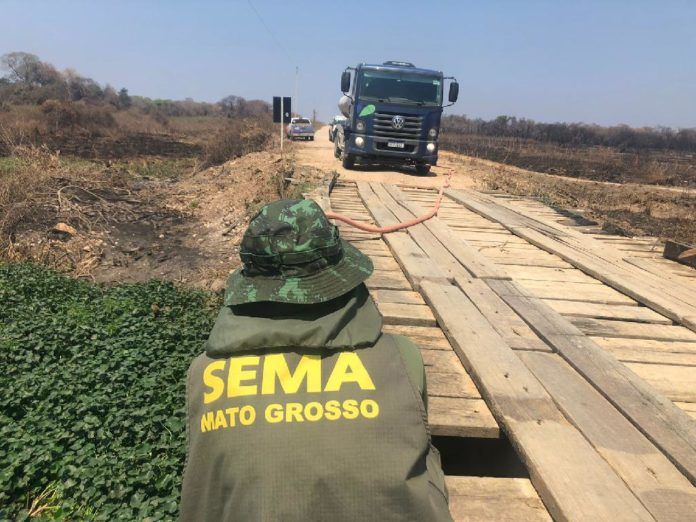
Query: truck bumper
x=378 y=150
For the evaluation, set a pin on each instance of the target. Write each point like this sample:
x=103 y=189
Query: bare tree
x=26 y=68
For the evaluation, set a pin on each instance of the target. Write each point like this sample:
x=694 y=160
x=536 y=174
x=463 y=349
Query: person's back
x=301 y=408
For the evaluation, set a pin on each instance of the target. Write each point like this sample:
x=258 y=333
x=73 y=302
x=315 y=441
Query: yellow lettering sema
x=243 y=375
x=238 y=374
x=212 y=381
x=275 y=366
x=349 y=368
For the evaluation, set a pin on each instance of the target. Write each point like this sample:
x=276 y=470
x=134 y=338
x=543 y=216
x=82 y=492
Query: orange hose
x=397 y=226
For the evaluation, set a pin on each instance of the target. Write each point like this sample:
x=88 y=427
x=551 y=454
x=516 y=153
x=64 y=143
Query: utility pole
x=295 y=104
x=314 y=115
x=282 y=119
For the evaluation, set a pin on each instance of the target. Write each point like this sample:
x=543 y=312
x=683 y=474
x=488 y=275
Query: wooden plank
x=574 y=482
x=537 y=261
x=474 y=262
x=592 y=293
x=411 y=314
x=387 y=280
x=509 y=241
x=485 y=226
x=510 y=246
x=649 y=351
x=458 y=417
x=496 y=211
x=386 y=263
x=443 y=360
x=647 y=344
x=631 y=330
x=661 y=488
x=408 y=254
x=483 y=499
x=434 y=238
x=424 y=337
x=372 y=250
x=500 y=316
x=539 y=273
x=455 y=383
x=669 y=300
x=673 y=304
x=677 y=383
x=688 y=407
x=524 y=343
x=439 y=256
x=602 y=311
x=501 y=235
x=397 y=296
x=673 y=275
x=655 y=416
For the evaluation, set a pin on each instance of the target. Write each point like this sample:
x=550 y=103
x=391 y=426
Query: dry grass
x=628 y=208
x=597 y=163
x=38 y=190
x=239 y=137
x=25 y=179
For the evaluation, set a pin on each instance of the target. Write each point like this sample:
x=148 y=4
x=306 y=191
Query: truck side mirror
x=453 y=92
x=345 y=81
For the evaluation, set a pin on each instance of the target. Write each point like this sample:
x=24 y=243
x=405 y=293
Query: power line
x=271 y=33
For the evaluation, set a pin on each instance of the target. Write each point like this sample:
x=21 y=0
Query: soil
x=186 y=230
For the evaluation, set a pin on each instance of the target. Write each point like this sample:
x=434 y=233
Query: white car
x=300 y=128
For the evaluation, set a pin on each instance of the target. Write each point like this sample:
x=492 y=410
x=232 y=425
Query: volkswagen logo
x=398 y=122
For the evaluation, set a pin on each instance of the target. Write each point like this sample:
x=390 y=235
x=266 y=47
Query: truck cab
x=393 y=113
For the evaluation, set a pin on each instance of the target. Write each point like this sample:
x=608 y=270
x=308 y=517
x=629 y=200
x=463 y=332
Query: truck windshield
x=401 y=87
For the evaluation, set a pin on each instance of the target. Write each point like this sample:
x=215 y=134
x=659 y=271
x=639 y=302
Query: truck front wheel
x=423 y=169
x=348 y=160
x=337 y=149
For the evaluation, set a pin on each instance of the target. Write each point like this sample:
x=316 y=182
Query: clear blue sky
x=605 y=62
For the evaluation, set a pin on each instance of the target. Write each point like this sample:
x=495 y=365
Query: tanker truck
x=393 y=113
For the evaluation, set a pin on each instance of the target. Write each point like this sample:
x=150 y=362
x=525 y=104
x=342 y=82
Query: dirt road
x=319 y=154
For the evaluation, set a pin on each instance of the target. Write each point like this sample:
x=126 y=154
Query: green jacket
x=317 y=416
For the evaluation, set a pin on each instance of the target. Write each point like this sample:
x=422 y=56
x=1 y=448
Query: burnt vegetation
x=622 y=154
x=74 y=114
x=102 y=164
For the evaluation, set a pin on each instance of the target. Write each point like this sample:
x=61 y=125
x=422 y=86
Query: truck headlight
x=359 y=141
x=432 y=133
x=360 y=126
x=430 y=147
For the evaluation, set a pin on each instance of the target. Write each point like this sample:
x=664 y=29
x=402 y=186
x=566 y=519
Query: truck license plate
x=395 y=144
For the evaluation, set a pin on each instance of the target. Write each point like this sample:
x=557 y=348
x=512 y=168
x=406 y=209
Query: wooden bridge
x=577 y=346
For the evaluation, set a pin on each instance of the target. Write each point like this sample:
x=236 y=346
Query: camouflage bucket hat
x=291 y=253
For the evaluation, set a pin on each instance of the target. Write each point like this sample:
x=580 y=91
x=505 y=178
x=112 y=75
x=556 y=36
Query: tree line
x=621 y=137
x=28 y=80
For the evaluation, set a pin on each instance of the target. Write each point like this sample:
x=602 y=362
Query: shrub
x=64 y=114
x=237 y=139
x=92 y=422
x=24 y=177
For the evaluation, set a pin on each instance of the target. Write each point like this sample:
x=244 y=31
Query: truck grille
x=383 y=126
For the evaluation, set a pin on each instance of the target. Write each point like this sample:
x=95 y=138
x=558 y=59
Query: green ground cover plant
x=92 y=423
